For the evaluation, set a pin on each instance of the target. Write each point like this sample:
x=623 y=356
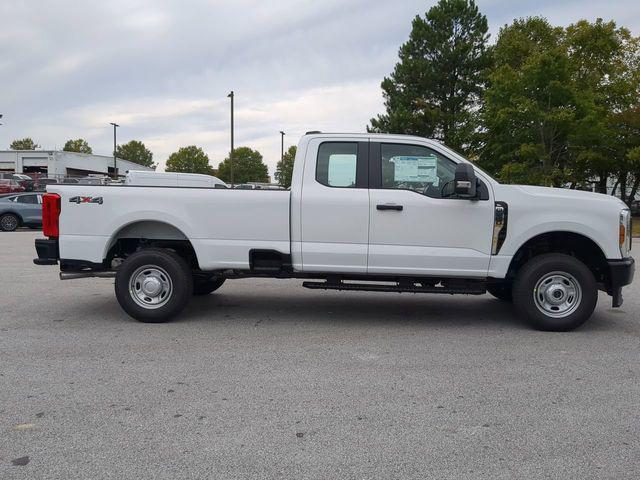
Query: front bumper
x=47 y=250
x=621 y=273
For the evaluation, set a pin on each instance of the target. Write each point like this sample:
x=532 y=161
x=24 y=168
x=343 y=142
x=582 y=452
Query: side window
x=31 y=199
x=337 y=164
x=417 y=168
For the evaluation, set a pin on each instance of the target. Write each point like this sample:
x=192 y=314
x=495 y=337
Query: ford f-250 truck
x=365 y=212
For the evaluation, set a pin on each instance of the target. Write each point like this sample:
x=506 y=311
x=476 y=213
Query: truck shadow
x=369 y=308
x=354 y=309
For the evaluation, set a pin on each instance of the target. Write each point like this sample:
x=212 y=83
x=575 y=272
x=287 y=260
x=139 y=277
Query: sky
x=162 y=69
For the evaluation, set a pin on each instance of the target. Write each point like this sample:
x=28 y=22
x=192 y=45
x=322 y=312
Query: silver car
x=20 y=209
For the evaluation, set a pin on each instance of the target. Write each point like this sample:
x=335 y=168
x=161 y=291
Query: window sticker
x=415 y=169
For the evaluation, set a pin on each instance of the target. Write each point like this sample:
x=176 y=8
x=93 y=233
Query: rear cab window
x=342 y=164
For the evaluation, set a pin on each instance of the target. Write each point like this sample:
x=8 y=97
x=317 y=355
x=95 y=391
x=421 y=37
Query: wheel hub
x=150 y=286
x=557 y=294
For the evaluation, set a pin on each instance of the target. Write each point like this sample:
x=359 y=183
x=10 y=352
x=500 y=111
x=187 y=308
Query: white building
x=58 y=164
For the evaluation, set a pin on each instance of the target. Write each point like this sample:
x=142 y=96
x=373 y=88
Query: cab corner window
x=337 y=164
x=416 y=168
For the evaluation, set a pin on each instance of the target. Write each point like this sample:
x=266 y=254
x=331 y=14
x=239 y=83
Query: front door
x=415 y=227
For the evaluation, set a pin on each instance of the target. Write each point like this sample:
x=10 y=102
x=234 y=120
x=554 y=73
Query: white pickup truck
x=368 y=212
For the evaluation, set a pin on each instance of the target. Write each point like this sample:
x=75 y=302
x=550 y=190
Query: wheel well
x=149 y=234
x=569 y=243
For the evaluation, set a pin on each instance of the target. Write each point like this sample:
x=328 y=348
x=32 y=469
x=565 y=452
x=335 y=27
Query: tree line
x=134 y=151
x=544 y=104
x=248 y=164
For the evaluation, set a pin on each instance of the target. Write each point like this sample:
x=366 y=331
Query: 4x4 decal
x=80 y=200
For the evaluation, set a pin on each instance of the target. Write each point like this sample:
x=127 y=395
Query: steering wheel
x=431 y=191
x=444 y=194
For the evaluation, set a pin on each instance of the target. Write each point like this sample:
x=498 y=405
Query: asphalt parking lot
x=265 y=379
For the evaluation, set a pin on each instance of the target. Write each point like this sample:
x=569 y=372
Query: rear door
x=30 y=208
x=334 y=206
x=415 y=227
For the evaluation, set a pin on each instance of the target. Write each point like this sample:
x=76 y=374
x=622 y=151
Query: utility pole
x=115 y=166
x=231 y=153
x=281 y=145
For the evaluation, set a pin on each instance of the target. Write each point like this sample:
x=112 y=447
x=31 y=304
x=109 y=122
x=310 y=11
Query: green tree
x=24 y=144
x=247 y=167
x=136 y=152
x=435 y=87
x=530 y=106
x=605 y=64
x=189 y=159
x=284 y=169
x=79 y=145
x=554 y=111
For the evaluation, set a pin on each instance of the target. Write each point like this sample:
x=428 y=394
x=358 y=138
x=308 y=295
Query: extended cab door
x=334 y=207
x=414 y=227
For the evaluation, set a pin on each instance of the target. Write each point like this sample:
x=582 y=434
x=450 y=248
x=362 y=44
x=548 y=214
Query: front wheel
x=555 y=292
x=153 y=285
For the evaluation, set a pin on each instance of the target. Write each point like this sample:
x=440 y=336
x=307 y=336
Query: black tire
x=562 y=275
x=9 y=222
x=205 y=286
x=158 y=267
x=502 y=291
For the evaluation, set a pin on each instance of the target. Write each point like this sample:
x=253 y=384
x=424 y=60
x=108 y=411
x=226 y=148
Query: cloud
x=162 y=68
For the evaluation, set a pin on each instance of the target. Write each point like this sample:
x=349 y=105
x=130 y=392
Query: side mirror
x=465 y=181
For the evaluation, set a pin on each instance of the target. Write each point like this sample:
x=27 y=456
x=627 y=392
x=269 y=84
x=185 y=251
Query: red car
x=10 y=186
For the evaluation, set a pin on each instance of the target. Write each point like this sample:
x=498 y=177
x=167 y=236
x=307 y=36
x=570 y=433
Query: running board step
x=475 y=288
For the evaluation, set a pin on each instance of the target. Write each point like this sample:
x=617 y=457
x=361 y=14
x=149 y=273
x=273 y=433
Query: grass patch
x=636 y=226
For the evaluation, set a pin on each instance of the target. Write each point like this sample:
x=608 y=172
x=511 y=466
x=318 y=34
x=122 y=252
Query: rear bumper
x=47 y=250
x=621 y=273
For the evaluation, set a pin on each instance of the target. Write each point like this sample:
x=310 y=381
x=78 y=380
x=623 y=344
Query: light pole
x=231 y=153
x=115 y=166
x=281 y=145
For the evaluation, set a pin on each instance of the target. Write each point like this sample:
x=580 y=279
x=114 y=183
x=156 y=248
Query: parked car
x=21 y=179
x=24 y=209
x=171 y=179
x=10 y=186
x=366 y=212
x=41 y=183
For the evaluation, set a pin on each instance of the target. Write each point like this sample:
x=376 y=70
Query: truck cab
x=364 y=212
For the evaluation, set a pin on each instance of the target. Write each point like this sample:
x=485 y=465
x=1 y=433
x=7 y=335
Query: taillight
x=50 y=214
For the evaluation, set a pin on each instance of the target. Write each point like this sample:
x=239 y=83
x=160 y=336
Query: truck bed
x=222 y=225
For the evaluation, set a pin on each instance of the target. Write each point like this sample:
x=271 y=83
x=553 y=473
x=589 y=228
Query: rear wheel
x=205 y=286
x=555 y=292
x=153 y=285
x=9 y=222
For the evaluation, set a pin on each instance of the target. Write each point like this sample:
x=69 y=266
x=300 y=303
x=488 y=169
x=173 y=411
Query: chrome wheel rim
x=557 y=294
x=9 y=222
x=150 y=287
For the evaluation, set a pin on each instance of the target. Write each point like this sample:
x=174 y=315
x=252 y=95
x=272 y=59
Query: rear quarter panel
x=222 y=225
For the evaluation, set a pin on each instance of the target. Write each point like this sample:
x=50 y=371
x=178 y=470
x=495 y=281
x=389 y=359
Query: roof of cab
x=315 y=133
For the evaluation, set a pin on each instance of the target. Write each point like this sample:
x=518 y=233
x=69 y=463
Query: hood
x=566 y=193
